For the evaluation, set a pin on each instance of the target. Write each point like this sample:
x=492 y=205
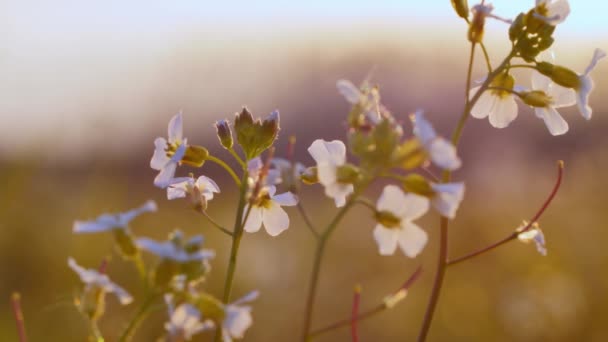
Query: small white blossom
x=552 y=12
x=441 y=152
x=95 y=280
x=184 y=321
x=176 y=250
x=237 y=318
x=396 y=211
x=330 y=155
x=107 y=222
x=169 y=152
x=534 y=234
x=498 y=105
x=447 y=198
x=368 y=101
x=266 y=209
x=200 y=191
x=586 y=85
x=559 y=97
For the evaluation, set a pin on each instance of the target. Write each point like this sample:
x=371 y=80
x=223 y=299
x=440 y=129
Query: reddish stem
x=355 y=314
x=18 y=314
x=513 y=236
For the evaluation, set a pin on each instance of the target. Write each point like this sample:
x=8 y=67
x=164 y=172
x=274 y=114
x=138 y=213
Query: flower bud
x=255 y=137
x=243 y=120
x=347 y=173
x=125 y=243
x=310 y=176
x=461 y=7
x=559 y=74
x=195 y=156
x=476 y=28
x=536 y=98
x=417 y=184
x=270 y=126
x=224 y=133
x=409 y=155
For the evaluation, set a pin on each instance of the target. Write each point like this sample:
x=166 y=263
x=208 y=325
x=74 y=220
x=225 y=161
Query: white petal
x=414 y=206
x=351 y=93
x=237 y=321
x=254 y=221
x=254 y=166
x=159 y=158
x=86 y=276
x=423 y=128
x=275 y=219
x=597 y=55
x=540 y=81
x=582 y=97
x=392 y=200
x=175 y=129
x=339 y=192
x=286 y=199
x=328 y=151
x=443 y=154
x=386 y=239
x=326 y=173
x=123 y=296
x=163 y=179
x=412 y=239
x=125 y=218
x=180 y=152
x=176 y=191
x=557 y=12
x=553 y=120
x=505 y=111
x=207 y=184
x=562 y=96
x=484 y=105
x=103 y=223
x=251 y=296
x=447 y=198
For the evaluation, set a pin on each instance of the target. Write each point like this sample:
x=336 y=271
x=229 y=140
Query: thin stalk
x=141 y=313
x=95 y=331
x=238 y=158
x=215 y=224
x=355 y=313
x=307 y=220
x=514 y=235
x=18 y=315
x=486 y=56
x=225 y=167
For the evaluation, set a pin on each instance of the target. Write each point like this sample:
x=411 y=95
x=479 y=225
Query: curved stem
x=355 y=314
x=238 y=158
x=307 y=220
x=142 y=312
x=18 y=315
x=225 y=167
x=515 y=234
x=215 y=224
x=522 y=66
x=486 y=56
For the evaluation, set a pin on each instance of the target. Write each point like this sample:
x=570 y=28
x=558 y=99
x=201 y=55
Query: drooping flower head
x=177 y=249
x=331 y=162
x=265 y=206
x=169 y=152
x=395 y=214
x=237 y=318
x=533 y=234
x=108 y=222
x=441 y=152
x=552 y=12
x=199 y=190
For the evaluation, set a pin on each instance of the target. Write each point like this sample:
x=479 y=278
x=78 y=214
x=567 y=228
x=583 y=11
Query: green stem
x=225 y=167
x=238 y=158
x=97 y=336
x=215 y=224
x=141 y=313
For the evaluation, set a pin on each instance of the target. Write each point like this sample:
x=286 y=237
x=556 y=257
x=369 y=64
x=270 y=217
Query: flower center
x=388 y=219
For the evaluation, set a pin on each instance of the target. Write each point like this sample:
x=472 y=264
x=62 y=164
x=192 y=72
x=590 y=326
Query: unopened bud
x=195 y=156
x=310 y=176
x=224 y=133
x=417 y=184
x=536 y=98
x=476 y=28
x=242 y=119
x=347 y=173
x=559 y=74
x=461 y=7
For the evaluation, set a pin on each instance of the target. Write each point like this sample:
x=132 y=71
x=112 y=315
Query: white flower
x=368 y=101
x=534 y=234
x=95 y=280
x=441 y=152
x=200 y=190
x=330 y=155
x=267 y=210
x=586 y=85
x=447 y=198
x=396 y=211
x=108 y=222
x=169 y=152
x=175 y=249
x=498 y=105
x=184 y=321
x=237 y=318
x=552 y=12
x=558 y=97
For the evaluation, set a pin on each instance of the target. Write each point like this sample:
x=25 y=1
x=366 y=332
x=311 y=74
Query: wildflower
x=266 y=209
x=237 y=318
x=447 y=197
x=107 y=222
x=169 y=152
x=200 y=191
x=552 y=12
x=331 y=160
x=184 y=321
x=534 y=234
x=498 y=104
x=176 y=249
x=95 y=281
x=441 y=152
x=395 y=213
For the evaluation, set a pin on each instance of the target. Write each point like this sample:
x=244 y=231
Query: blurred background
x=85 y=87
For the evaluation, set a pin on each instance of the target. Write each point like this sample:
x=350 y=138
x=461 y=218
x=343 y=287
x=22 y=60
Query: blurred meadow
x=86 y=87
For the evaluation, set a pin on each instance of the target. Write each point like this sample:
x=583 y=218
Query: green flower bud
x=195 y=156
x=224 y=133
x=417 y=184
x=347 y=173
x=536 y=98
x=559 y=74
x=461 y=7
x=125 y=243
x=409 y=155
x=388 y=219
x=310 y=176
x=255 y=137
